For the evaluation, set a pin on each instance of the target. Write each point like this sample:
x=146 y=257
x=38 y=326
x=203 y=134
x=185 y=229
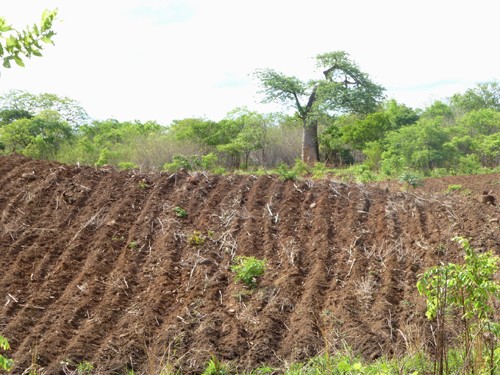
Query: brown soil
x=97 y=266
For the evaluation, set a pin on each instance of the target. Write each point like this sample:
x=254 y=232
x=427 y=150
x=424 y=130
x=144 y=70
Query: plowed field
x=96 y=265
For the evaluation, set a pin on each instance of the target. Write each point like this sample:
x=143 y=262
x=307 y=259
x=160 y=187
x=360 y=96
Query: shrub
x=285 y=173
x=469 y=293
x=247 y=269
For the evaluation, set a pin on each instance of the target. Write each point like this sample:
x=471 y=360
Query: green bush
x=285 y=173
x=247 y=269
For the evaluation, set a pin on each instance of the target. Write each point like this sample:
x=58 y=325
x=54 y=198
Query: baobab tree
x=343 y=88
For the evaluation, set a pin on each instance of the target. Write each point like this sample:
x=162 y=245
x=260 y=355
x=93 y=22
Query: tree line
x=460 y=134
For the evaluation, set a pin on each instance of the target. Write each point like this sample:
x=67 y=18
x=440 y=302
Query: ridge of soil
x=97 y=266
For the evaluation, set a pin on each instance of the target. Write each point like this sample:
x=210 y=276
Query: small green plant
x=247 y=269
x=133 y=245
x=5 y=363
x=180 y=212
x=216 y=367
x=411 y=179
x=117 y=238
x=452 y=188
x=84 y=367
x=143 y=184
x=197 y=239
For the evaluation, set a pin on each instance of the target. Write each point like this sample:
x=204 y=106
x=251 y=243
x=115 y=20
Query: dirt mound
x=97 y=266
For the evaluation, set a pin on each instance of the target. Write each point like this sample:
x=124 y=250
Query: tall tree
x=15 y=44
x=343 y=88
x=23 y=101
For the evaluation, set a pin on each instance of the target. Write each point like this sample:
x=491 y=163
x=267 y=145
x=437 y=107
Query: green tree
x=252 y=134
x=9 y=115
x=484 y=121
x=15 y=44
x=371 y=128
x=483 y=96
x=344 y=88
x=419 y=146
x=23 y=101
x=38 y=137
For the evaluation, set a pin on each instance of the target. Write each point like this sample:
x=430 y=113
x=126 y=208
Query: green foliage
x=411 y=179
x=39 y=137
x=215 y=367
x=5 y=362
x=319 y=170
x=84 y=367
x=285 y=173
x=345 y=363
x=345 y=88
x=247 y=269
x=180 y=212
x=468 y=164
x=9 y=115
x=369 y=129
x=19 y=101
x=469 y=292
x=15 y=44
x=454 y=188
x=197 y=239
x=483 y=96
x=124 y=165
x=373 y=152
x=179 y=162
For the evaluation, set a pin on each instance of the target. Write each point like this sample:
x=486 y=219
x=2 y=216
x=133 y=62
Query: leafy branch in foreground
x=26 y=43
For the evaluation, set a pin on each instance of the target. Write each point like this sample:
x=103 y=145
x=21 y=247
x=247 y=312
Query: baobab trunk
x=310 y=148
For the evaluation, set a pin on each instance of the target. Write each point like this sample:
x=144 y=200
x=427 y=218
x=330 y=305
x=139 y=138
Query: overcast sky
x=172 y=59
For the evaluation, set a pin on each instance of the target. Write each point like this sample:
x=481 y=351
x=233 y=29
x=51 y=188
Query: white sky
x=172 y=59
